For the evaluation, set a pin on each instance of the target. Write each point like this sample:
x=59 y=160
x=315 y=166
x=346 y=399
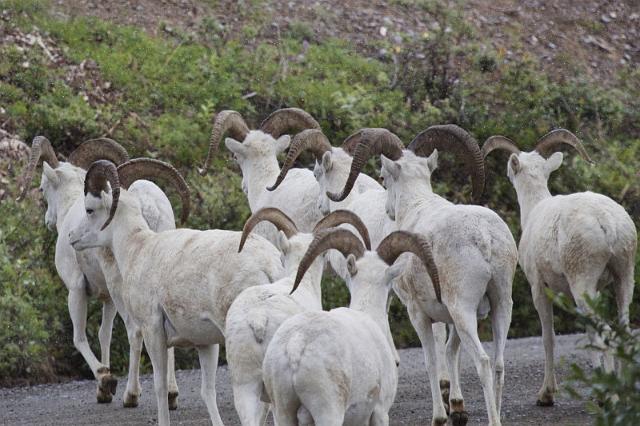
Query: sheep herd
x=258 y=290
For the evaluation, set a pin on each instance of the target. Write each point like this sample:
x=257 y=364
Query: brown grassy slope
x=591 y=36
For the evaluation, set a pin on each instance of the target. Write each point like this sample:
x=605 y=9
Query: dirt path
x=74 y=403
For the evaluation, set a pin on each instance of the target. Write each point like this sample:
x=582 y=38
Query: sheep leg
x=500 y=322
x=440 y=336
x=466 y=324
x=172 y=385
x=545 y=312
x=208 y=356
x=246 y=398
x=459 y=416
x=423 y=327
x=156 y=344
x=106 y=328
x=77 y=303
x=624 y=271
x=132 y=392
x=600 y=355
x=583 y=282
x=380 y=416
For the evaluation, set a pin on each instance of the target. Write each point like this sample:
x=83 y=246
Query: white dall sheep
x=93 y=273
x=339 y=367
x=256 y=152
x=364 y=196
x=473 y=247
x=574 y=244
x=257 y=312
x=179 y=283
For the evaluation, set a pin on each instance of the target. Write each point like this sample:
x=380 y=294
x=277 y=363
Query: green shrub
x=612 y=397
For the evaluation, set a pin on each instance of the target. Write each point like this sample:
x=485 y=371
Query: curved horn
x=351 y=143
x=338 y=217
x=372 y=141
x=334 y=238
x=224 y=121
x=546 y=144
x=399 y=242
x=286 y=119
x=40 y=148
x=499 y=142
x=99 y=173
x=310 y=139
x=270 y=214
x=148 y=168
x=455 y=139
x=98 y=149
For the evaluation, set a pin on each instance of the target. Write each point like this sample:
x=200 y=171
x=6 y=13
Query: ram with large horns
x=93 y=274
x=257 y=312
x=180 y=282
x=332 y=165
x=256 y=152
x=341 y=367
x=576 y=244
x=473 y=247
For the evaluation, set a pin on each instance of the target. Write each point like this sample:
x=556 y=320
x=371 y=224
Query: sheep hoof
x=130 y=400
x=173 y=400
x=439 y=421
x=103 y=398
x=107 y=386
x=459 y=418
x=545 y=400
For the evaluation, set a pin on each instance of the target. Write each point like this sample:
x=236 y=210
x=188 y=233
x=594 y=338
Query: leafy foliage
x=613 y=396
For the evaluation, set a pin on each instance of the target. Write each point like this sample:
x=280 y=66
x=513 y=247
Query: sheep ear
x=432 y=161
x=390 y=166
x=554 y=162
x=514 y=164
x=50 y=173
x=351 y=265
x=283 y=242
x=234 y=146
x=327 y=162
x=393 y=272
x=282 y=143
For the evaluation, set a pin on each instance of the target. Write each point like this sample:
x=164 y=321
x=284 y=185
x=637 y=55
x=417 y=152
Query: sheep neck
x=312 y=280
x=67 y=197
x=416 y=195
x=129 y=232
x=372 y=300
x=261 y=174
x=529 y=195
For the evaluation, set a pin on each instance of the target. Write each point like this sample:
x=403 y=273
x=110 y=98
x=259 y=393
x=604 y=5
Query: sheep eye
x=89 y=211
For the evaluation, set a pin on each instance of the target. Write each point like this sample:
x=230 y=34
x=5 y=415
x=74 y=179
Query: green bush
x=612 y=396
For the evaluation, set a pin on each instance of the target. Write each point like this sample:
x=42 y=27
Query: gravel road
x=74 y=403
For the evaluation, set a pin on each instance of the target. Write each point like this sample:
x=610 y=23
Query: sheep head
x=369 y=142
x=102 y=189
x=308 y=140
x=273 y=127
x=61 y=176
x=454 y=139
x=532 y=169
x=294 y=244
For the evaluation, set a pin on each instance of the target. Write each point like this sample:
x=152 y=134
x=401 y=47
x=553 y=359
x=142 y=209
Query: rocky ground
x=74 y=403
x=597 y=35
